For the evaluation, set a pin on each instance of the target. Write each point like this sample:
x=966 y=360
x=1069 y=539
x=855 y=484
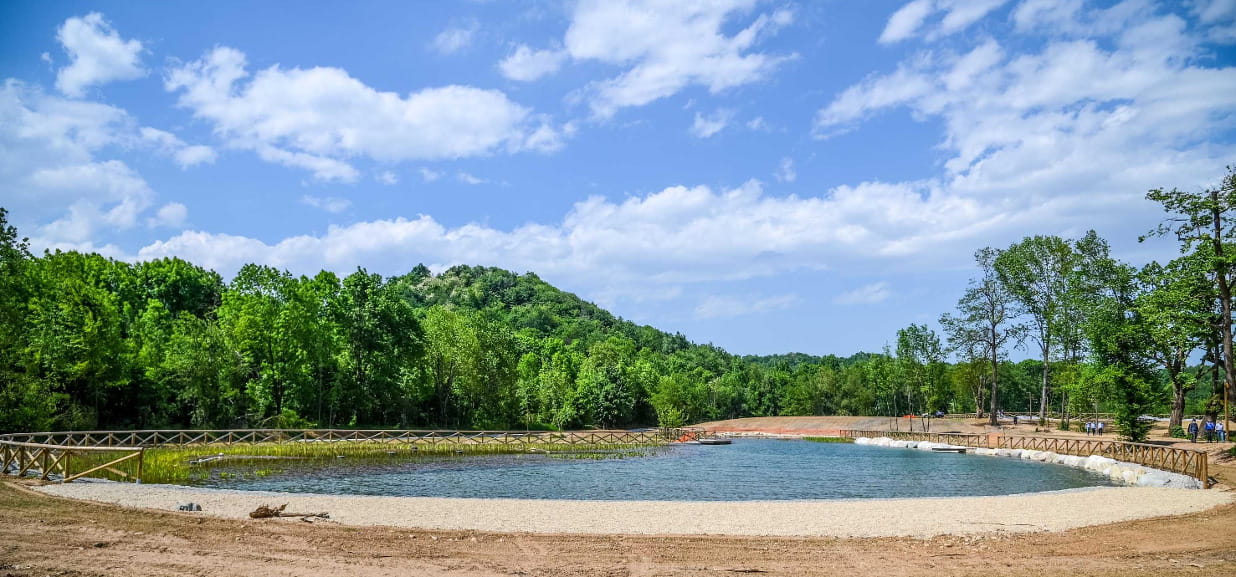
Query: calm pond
x=748 y=470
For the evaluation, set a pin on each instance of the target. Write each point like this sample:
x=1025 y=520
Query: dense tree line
x=91 y=342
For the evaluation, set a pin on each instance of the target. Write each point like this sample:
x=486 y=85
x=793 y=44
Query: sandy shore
x=1053 y=511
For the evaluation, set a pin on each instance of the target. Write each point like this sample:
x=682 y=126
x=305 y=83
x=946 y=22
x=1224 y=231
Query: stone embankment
x=1121 y=472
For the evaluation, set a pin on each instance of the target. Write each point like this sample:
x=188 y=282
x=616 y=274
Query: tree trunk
x=1225 y=302
x=995 y=375
x=1043 y=398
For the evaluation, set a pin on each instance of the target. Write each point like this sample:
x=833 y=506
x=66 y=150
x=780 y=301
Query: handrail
x=1192 y=462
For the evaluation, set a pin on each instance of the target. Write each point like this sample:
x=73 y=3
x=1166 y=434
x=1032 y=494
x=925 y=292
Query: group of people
x=1094 y=427
x=1213 y=430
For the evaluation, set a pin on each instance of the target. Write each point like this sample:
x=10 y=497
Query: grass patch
x=180 y=465
x=828 y=439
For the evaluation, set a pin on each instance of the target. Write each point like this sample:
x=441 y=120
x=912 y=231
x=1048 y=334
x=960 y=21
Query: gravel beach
x=1035 y=512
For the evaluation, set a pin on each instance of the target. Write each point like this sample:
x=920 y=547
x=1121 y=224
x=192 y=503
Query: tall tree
x=921 y=356
x=985 y=315
x=1176 y=308
x=1206 y=220
x=1035 y=272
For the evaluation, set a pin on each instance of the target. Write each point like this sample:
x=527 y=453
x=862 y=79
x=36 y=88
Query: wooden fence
x=1191 y=462
x=54 y=453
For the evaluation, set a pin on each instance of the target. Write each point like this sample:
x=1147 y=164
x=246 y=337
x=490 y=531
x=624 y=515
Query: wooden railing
x=52 y=453
x=1191 y=462
x=18 y=458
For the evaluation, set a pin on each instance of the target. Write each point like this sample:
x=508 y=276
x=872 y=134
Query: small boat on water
x=714 y=441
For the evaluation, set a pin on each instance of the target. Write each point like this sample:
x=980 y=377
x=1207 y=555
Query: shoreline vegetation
x=180 y=465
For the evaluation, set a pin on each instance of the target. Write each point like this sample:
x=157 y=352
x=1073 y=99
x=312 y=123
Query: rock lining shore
x=1119 y=471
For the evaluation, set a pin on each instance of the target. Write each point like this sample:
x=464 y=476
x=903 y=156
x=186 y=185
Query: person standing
x=1100 y=425
x=1193 y=430
x=1221 y=431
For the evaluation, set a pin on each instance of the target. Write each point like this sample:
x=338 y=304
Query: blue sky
x=766 y=176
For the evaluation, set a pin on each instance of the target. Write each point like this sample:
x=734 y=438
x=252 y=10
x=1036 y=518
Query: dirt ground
x=47 y=536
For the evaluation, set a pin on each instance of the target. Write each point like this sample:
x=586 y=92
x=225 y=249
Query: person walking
x=1221 y=431
x=1210 y=431
x=1087 y=428
x=1100 y=425
x=1193 y=430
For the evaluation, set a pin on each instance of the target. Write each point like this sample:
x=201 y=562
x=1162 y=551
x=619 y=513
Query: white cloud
x=193 y=155
x=714 y=307
x=758 y=124
x=706 y=126
x=1071 y=116
x=429 y=175
x=51 y=175
x=185 y=155
x=865 y=295
x=388 y=178
x=97 y=53
x=331 y=204
x=172 y=215
x=678 y=235
x=785 y=170
x=454 y=39
x=467 y=178
x=955 y=15
x=319 y=119
x=526 y=64
x=906 y=21
x=665 y=47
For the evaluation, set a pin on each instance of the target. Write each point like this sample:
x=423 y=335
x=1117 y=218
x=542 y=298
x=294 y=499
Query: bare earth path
x=45 y=536
x=42 y=535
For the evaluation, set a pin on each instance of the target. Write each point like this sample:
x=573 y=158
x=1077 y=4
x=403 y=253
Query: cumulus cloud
x=185 y=155
x=388 y=178
x=54 y=173
x=953 y=16
x=526 y=64
x=677 y=235
x=1109 y=113
x=172 y=215
x=664 y=47
x=97 y=55
x=865 y=295
x=906 y=21
x=318 y=119
x=454 y=39
x=708 y=125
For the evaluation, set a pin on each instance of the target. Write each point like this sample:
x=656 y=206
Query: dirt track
x=43 y=536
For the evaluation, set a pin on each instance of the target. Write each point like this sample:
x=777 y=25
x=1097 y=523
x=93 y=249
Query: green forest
x=88 y=342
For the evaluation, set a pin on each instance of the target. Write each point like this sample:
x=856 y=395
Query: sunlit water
x=747 y=470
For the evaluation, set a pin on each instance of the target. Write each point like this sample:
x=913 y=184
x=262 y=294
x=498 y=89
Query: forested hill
x=91 y=342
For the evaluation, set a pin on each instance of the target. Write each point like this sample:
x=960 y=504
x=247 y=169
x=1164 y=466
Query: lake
x=748 y=470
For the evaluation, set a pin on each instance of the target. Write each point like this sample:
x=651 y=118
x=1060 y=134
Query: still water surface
x=748 y=470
